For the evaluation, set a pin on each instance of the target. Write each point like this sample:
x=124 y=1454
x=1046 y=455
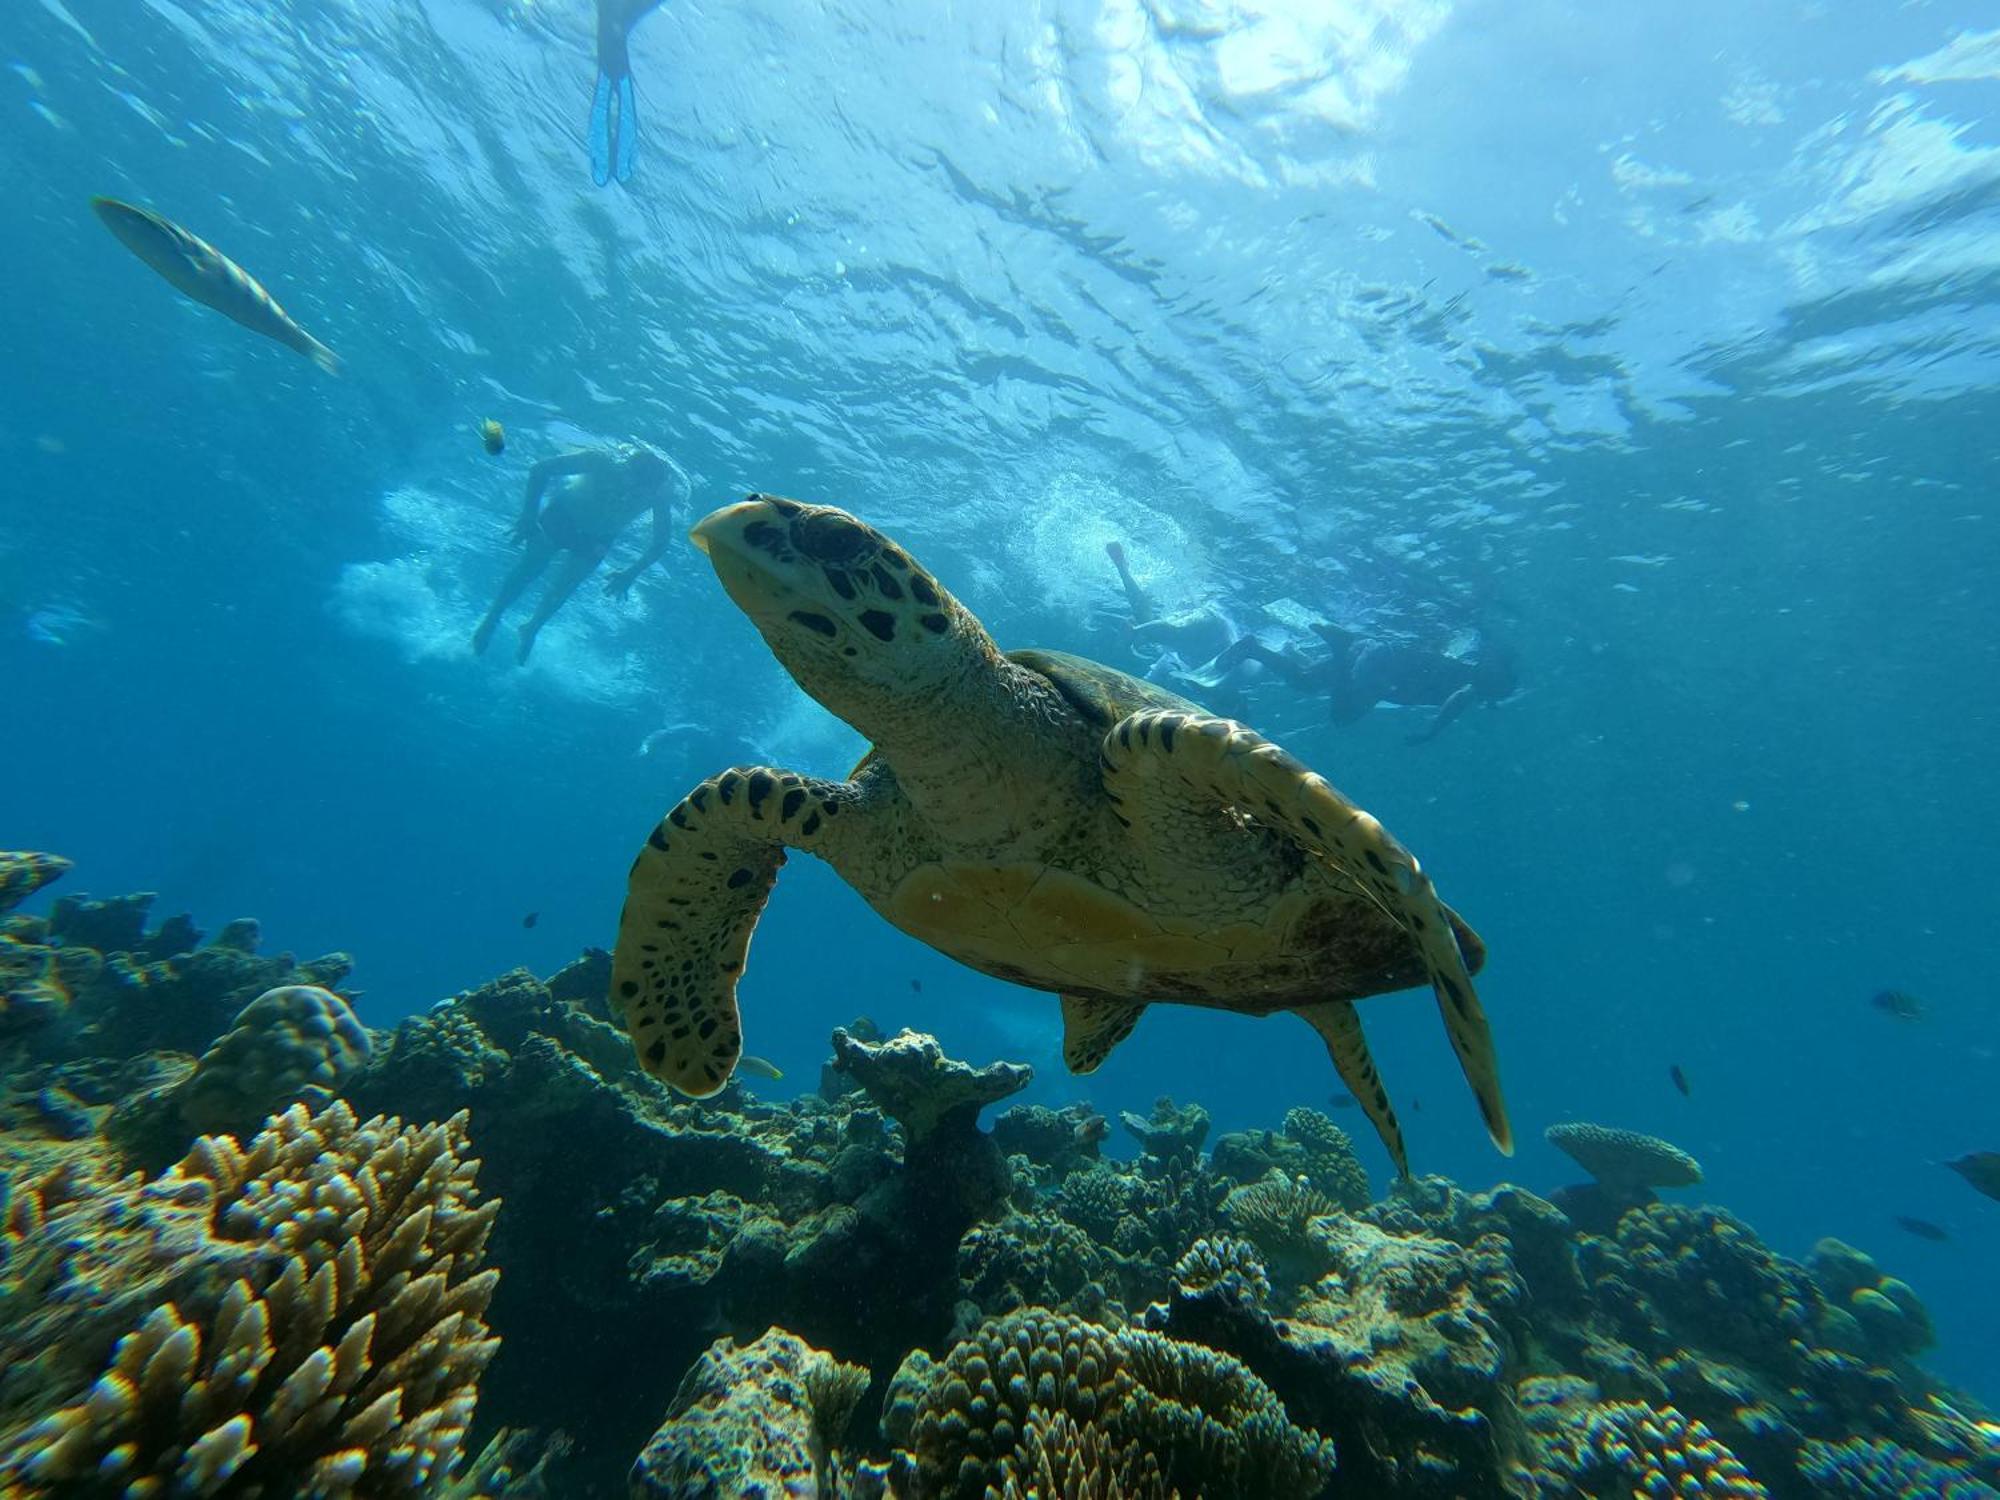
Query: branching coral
x=1331 y=1164
x=318 y=1327
x=1627 y=1448
x=1219 y=1429
x=1225 y=1267
x=1276 y=1215
x=1876 y=1469
x=1062 y=1459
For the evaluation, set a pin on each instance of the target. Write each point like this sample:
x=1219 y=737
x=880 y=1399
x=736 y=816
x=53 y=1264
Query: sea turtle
x=1039 y=817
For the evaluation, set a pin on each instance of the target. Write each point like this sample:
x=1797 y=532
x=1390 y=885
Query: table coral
x=317 y=1321
x=23 y=872
x=1624 y=1159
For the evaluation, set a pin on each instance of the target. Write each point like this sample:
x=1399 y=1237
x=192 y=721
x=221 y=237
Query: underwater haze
x=1661 y=343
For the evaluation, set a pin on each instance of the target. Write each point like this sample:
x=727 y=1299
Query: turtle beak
x=703 y=532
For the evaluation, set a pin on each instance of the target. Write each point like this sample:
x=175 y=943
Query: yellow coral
x=326 y=1331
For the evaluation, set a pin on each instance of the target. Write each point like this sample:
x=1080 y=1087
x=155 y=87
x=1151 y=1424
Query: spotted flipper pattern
x=1091 y=1028
x=691 y=904
x=1259 y=779
x=1340 y=1028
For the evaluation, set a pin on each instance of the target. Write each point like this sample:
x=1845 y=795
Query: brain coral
x=316 y=1322
x=762 y=1419
x=1219 y=1429
x=292 y=1041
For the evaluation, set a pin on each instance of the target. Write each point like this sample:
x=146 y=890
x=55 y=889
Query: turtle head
x=852 y=616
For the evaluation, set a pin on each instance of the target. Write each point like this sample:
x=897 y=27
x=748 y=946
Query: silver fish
x=196 y=269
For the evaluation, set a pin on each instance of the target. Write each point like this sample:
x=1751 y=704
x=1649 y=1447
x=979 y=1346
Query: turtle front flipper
x=1091 y=1028
x=691 y=903
x=1246 y=771
x=1340 y=1028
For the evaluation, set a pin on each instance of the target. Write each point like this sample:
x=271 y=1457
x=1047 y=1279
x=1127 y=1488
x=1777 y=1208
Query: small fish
x=1343 y=1101
x=1899 y=1003
x=1923 y=1229
x=1416 y=1105
x=1981 y=1169
x=759 y=1067
x=494 y=436
x=198 y=270
x=916 y=986
x=531 y=919
x=1680 y=1080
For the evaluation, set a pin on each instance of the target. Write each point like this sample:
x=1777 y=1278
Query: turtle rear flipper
x=1340 y=1028
x=691 y=904
x=1246 y=771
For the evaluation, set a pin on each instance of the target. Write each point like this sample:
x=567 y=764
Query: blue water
x=1670 y=337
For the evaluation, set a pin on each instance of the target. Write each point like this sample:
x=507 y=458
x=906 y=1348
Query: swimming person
x=608 y=489
x=614 y=145
x=1360 y=671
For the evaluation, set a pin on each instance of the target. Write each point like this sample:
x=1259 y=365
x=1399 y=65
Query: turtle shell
x=1102 y=695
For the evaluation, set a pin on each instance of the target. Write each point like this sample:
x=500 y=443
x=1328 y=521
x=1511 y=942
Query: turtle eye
x=830 y=539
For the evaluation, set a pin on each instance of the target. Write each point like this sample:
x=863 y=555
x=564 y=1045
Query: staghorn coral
x=317 y=1325
x=1625 y=1448
x=295 y=1041
x=1219 y=1430
x=764 y=1418
x=1876 y=1469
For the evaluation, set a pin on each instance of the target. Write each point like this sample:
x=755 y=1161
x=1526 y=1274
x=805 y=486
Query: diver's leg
x=539 y=550
x=577 y=565
x=600 y=130
x=628 y=129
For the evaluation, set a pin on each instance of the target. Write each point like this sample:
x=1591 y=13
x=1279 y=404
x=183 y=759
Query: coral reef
x=315 y=1316
x=1042 y=1314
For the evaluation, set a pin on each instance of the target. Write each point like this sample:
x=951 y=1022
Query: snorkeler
x=1360 y=671
x=614 y=146
x=608 y=489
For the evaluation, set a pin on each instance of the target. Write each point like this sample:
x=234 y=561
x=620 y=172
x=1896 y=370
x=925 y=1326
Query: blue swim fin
x=628 y=128
x=600 y=130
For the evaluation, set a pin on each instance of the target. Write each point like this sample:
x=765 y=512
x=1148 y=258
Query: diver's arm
x=1450 y=709
x=620 y=582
